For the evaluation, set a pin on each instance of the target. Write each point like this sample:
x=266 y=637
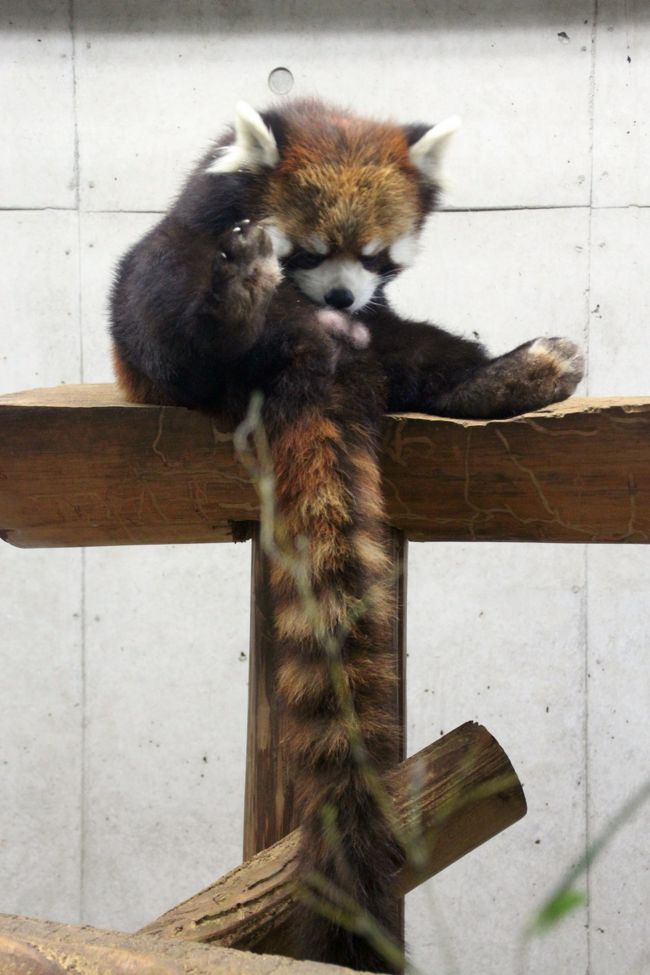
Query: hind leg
x=532 y=376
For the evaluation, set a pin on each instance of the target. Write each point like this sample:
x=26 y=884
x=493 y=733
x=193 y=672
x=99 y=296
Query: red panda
x=268 y=273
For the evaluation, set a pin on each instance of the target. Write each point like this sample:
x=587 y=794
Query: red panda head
x=345 y=197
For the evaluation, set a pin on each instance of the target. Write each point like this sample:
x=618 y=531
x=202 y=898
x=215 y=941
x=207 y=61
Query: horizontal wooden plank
x=81 y=466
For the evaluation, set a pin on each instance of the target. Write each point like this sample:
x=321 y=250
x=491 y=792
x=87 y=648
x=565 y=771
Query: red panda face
x=345 y=197
x=345 y=279
x=342 y=195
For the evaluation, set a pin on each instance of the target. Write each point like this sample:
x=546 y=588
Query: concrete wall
x=122 y=699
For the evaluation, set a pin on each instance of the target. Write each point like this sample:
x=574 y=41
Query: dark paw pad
x=245 y=271
x=243 y=244
x=245 y=259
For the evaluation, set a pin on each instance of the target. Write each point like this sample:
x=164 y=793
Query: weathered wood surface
x=33 y=947
x=80 y=466
x=452 y=796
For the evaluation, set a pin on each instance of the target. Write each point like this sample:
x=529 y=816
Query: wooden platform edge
x=81 y=466
x=29 y=946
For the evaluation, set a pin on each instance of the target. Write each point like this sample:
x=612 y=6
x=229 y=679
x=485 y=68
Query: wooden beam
x=80 y=466
x=450 y=797
x=32 y=947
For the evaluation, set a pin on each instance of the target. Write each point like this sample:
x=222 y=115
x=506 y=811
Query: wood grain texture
x=450 y=797
x=80 y=466
x=32 y=947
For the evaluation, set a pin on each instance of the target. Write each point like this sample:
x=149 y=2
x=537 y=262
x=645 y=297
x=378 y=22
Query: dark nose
x=339 y=298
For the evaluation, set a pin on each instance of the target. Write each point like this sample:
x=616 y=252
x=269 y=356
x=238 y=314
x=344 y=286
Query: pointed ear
x=254 y=147
x=428 y=151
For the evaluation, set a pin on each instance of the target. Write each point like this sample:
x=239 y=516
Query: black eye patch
x=302 y=260
x=374 y=262
x=379 y=263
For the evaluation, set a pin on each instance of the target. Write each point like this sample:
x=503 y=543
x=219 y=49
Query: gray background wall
x=121 y=738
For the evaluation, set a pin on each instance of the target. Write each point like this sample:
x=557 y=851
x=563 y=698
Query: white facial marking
x=372 y=247
x=282 y=246
x=404 y=250
x=428 y=152
x=316 y=245
x=338 y=272
x=254 y=147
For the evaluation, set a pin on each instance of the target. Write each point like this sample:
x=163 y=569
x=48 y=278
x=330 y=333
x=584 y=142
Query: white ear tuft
x=405 y=249
x=254 y=147
x=428 y=152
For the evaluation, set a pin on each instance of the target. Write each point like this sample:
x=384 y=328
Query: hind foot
x=556 y=366
x=528 y=378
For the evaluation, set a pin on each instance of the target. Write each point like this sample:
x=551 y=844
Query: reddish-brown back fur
x=137 y=387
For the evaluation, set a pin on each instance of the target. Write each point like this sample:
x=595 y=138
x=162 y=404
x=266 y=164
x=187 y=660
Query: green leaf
x=557 y=908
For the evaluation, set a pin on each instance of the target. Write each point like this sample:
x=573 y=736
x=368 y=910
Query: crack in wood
x=170 y=475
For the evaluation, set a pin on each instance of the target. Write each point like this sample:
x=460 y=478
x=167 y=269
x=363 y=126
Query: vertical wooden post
x=269 y=808
x=268 y=803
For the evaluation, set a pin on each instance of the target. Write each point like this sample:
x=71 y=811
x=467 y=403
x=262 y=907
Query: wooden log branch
x=80 y=466
x=33 y=947
x=450 y=797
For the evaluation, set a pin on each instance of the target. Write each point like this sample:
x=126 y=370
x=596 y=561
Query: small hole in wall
x=281 y=81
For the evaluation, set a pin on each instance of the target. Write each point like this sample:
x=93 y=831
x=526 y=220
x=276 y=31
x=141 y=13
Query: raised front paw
x=245 y=269
x=555 y=367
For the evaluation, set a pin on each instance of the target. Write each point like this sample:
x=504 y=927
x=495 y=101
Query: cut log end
x=450 y=798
